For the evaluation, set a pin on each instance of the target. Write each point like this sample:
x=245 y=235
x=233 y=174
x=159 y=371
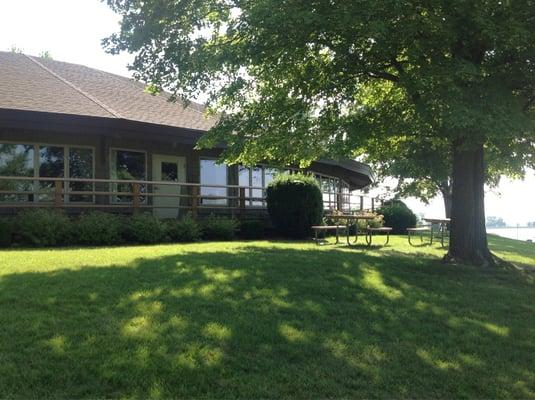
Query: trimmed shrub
x=97 y=228
x=295 y=203
x=219 y=228
x=183 y=230
x=6 y=232
x=252 y=229
x=144 y=228
x=43 y=227
x=398 y=216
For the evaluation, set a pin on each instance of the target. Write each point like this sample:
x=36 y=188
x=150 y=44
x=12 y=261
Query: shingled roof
x=38 y=84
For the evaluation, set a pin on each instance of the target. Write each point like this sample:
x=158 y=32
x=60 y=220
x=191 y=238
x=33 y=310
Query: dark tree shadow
x=267 y=322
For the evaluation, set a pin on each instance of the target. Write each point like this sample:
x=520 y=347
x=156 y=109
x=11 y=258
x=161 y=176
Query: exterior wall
x=103 y=140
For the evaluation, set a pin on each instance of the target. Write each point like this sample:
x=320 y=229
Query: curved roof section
x=356 y=174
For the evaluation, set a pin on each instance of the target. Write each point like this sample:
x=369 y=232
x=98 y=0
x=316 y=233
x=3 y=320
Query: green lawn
x=265 y=319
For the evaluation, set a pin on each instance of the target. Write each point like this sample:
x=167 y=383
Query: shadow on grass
x=267 y=322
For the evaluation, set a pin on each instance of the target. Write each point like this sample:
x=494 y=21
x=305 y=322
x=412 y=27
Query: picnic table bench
x=371 y=231
x=325 y=228
x=418 y=229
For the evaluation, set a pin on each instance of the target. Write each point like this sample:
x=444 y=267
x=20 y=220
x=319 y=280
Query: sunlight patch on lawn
x=293 y=334
x=374 y=280
x=367 y=358
x=493 y=328
x=196 y=356
x=435 y=361
x=57 y=344
x=222 y=275
x=217 y=331
x=139 y=327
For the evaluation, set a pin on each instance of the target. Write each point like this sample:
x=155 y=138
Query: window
x=44 y=161
x=16 y=160
x=80 y=167
x=127 y=165
x=169 y=171
x=257 y=177
x=213 y=174
x=51 y=165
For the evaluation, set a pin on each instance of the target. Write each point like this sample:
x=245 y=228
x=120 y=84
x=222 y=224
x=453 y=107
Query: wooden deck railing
x=23 y=192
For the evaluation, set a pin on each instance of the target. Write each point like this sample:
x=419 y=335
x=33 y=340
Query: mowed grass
x=265 y=320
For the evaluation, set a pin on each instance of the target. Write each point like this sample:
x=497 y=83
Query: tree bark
x=468 y=235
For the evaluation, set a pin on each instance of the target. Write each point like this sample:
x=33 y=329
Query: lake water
x=514 y=233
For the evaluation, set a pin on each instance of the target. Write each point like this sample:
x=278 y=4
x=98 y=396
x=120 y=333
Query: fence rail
x=23 y=192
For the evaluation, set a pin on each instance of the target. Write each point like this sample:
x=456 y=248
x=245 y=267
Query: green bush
x=43 y=227
x=295 y=203
x=398 y=216
x=183 y=230
x=252 y=229
x=97 y=228
x=144 y=228
x=6 y=232
x=219 y=228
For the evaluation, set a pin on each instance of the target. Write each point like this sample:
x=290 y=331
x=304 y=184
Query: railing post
x=135 y=201
x=194 y=200
x=373 y=204
x=361 y=203
x=242 y=201
x=58 y=189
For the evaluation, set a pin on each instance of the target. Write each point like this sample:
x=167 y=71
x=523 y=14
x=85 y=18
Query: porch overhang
x=356 y=174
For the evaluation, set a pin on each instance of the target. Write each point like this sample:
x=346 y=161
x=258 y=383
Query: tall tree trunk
x=468 y=236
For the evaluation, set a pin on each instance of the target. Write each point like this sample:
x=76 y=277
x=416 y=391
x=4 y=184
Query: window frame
x=201 y=159
x=113 y=200
x=66 y=167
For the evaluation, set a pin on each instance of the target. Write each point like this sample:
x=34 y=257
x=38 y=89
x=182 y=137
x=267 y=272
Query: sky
x=72 y=30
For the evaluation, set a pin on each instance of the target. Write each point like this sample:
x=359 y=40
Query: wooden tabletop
x=350 y=216
x=437 y=220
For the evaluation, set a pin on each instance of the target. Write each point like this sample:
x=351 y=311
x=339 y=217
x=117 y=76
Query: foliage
x=144 y=228
x=43 y=227
x=6 y=231
x=46 y=54
x=324 y=71
x=98 y=229
x=185 y=229
x=130 y=322
x=293 y=82
x=398 y=216
x=495 y=222
x=252 y=229
x=295 y=203
x=216 y=227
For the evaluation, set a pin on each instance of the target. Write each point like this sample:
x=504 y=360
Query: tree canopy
x=296 y=80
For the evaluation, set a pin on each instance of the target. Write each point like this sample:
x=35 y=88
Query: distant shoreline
x=510 y=227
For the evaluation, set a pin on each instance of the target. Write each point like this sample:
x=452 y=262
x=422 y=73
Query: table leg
x=337 y=238
x=369 y=237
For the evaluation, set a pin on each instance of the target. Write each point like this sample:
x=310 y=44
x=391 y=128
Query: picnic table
x=442 y=223
x=350 y=220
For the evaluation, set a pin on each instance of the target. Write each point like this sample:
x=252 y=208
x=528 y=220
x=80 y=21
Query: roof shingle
x=37 y=84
